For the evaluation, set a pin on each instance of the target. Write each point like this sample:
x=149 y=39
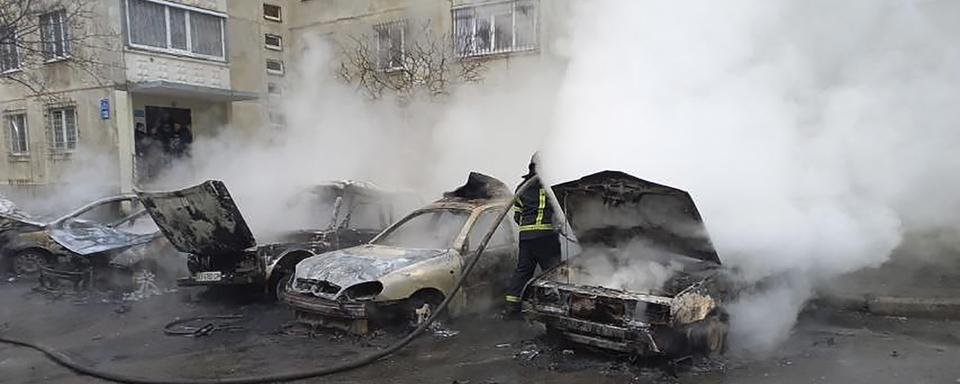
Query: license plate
x=208 y=276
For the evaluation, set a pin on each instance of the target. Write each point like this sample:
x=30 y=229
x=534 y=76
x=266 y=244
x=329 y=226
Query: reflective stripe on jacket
x=532 y=211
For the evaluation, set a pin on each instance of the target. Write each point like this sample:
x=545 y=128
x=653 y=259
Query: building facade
x=212 y=65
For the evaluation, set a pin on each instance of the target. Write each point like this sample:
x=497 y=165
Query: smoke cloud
x=810 y=133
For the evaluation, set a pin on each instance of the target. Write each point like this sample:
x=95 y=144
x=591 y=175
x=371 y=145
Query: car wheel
x=709 y=336
x=281 y=287
x=29 y=262
x=420 y=307
x=143 y=278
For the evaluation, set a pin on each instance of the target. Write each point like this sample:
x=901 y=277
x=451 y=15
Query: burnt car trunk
x=648 y=278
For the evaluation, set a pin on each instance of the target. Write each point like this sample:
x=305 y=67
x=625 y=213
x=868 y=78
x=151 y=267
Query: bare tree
x=36 y=32
x=396 y=62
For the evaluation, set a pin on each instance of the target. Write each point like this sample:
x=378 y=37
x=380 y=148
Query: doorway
x=163 y=137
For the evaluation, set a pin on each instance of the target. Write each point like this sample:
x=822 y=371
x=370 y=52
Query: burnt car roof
x=479 y=190
x=202 y=219
x=610 y=208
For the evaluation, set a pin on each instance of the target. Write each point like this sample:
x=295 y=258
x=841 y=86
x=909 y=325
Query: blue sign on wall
x=104 y=108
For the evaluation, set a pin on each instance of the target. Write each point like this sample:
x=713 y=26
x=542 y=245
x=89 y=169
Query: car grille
x=316 y=286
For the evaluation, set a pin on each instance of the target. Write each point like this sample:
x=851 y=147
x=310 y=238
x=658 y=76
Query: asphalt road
x=127 y=338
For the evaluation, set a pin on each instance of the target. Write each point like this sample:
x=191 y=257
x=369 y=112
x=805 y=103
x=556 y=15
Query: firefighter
x=539 y=242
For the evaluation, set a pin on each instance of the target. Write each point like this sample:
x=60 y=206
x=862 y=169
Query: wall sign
x=104 y=108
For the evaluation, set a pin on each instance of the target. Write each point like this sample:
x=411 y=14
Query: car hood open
x=611 y=208
x=202 y=219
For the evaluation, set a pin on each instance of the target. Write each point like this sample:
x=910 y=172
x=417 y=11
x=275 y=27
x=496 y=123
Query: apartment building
x=162 y=64
x=213 y=65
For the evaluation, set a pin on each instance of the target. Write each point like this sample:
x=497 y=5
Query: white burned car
x=409 y=268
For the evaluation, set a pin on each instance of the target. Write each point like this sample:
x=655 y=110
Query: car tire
x=280 y=287
x=421 y=306
x=144 y=275
x=709 y=336
x=29 y=261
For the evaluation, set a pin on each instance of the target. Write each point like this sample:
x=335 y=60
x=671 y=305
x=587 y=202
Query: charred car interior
x=406 y=271
x=205 y=222
x=647 y=279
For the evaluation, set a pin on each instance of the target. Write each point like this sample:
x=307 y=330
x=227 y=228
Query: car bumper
x=316 y=311
x=629 y=339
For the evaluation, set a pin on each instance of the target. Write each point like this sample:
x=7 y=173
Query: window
x=17 y=134
x=175 y=29
x=274 y=89
x=9 y=54
x=390 y=44
x=272 y=12
x=435 y=229
x=503 y=236
x=274 y=66
x=273 y=42
x=54 y=35
x=495 y=28
x=63 y=129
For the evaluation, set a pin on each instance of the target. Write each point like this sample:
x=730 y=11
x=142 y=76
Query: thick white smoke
x=809 y=132
x=334 y=132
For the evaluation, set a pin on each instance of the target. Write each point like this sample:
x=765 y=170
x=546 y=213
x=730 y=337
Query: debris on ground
x=438 y=330
x=203 y=325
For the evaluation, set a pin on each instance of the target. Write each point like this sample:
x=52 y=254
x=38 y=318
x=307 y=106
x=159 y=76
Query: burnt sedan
x=647 y=279
x=205 y=222
x=410 y=268
x=98 y=236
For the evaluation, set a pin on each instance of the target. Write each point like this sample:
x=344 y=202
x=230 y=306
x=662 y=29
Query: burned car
x=98 y=235
x=647 y=279
x=407 y=270
x=205 y=222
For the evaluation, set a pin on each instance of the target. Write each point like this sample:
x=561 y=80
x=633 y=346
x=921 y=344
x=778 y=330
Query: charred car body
x=204 y=222
x=647 y=279
x=98 y=235
x=407 y=270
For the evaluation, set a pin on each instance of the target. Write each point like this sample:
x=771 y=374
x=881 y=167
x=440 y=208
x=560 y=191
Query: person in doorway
x=539 y=242
x=179 y=140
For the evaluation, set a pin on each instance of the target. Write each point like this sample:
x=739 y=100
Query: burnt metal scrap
x=615 y=210
x=406 y=271
x=205 y=222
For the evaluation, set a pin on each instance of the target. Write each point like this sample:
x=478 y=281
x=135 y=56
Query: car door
x=489 y=279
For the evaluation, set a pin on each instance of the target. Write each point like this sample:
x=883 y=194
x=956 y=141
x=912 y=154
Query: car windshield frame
x=466 y=214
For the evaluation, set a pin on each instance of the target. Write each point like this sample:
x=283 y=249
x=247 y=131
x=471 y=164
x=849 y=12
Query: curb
x=932 y=308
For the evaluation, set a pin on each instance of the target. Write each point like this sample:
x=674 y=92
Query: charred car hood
x=92 y=239
x=350 y=266
x=610 y=208
x=202 y=219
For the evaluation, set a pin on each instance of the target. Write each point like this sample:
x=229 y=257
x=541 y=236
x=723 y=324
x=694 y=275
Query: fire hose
x=65 y=360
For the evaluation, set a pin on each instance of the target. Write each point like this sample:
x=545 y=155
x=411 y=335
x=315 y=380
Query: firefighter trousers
x=543 y=251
